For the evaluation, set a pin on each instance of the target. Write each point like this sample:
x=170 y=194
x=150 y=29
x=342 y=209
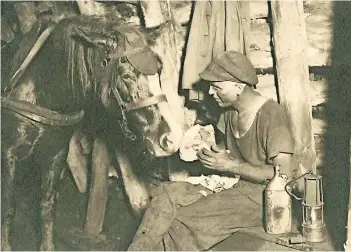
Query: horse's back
x=22 y=137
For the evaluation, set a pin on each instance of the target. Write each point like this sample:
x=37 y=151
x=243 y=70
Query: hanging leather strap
x=32 y=53
x=40 y=114
x=34 y=111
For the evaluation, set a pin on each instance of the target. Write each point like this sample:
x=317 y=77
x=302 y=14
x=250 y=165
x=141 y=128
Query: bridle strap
x=32 y=53
x=145 y=103
x=34 y=111
x=40 y=114
x=126 y=107
x=129 y=52
x=119 y=99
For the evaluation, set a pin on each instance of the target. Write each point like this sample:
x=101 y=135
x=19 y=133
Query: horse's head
x=130 y=87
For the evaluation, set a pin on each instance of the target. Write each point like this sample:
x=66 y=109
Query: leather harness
x=53 y=118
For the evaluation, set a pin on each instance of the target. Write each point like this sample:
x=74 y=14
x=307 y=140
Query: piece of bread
x=195 y=139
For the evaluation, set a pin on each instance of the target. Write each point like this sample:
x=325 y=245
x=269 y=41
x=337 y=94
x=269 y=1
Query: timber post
x=348 y=241
x=100 y=160
x=160 y=14
x=89 y=7
x=347 y=245
x=290 y=43
x=98 y=188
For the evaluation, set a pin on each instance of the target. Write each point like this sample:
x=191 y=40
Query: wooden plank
x=244 y=242
x=319 y=46
x=78 y=161
x=7 y=33
x=293 y=76
x=26 y=12
x=318 y=16
x=169 y=47
x=154 y=13
x=259 y=9
x=317 y=90
x=182 y=11
x=347 y=244
x=258 y=232
x=98 y=188
x=90 y=7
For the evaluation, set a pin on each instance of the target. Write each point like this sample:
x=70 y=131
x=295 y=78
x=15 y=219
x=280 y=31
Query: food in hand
x=194 y=139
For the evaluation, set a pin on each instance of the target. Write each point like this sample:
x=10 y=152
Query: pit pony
x=60 y=75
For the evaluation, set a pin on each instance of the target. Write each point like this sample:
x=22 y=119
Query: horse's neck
x=45 y=83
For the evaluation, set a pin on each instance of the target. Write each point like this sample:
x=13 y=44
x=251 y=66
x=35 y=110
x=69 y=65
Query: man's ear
x=241 y=86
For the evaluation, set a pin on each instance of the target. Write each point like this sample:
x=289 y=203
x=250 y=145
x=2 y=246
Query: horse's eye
x=123 y=59
x=126 y=76
x=105 y=62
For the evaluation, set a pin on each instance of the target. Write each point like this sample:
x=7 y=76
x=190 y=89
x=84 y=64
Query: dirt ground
x=118 y=230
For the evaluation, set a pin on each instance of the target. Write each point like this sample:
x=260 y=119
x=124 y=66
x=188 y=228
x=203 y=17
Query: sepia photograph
x=164 y=125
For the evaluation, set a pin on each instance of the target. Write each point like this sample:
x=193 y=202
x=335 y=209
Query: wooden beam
x=317 y=90
x=182 y=12
x=168 y=46
x=259 y=10
x=289 y=35
x=98 y=188
x=77 y=161
x=347 y=245
x=319 y=42
x=154 y=13
x=319 y=46
x=26 y=12
x=90 y=7
x=7 y=33
x=318 y=16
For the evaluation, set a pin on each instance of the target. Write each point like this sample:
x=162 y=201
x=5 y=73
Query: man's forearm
x=255 y=174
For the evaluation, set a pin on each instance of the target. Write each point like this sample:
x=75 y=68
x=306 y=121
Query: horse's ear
x=153 y=34
x=93 y=38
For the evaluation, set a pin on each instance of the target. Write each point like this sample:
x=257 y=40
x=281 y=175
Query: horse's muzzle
x=168 y=143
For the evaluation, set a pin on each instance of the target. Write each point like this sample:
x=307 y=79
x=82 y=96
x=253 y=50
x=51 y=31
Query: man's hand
x=217 y=159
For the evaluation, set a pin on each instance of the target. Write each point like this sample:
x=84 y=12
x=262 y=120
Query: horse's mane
x=83 y=60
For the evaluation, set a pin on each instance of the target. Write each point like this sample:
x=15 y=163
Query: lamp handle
x=294 y=181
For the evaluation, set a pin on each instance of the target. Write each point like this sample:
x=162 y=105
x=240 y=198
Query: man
x=257 y=137
x=257 y=131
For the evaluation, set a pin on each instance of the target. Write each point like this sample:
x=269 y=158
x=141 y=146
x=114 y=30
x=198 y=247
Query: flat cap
x=230 y=66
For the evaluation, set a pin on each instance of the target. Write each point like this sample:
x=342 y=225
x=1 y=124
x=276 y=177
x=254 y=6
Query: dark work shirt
x=268 y=135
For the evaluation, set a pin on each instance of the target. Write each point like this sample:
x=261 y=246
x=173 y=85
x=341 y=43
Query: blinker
x=143 y=59
x=145 y=62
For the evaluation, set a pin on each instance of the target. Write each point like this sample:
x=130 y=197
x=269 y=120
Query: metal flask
x=278 y=215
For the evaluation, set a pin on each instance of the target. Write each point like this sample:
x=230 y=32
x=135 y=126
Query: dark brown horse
x=86 y=66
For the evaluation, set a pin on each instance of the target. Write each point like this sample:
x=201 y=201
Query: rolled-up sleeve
x=277 y=136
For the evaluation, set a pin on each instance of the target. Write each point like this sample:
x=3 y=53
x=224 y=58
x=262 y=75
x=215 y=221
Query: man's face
x=225 y=92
